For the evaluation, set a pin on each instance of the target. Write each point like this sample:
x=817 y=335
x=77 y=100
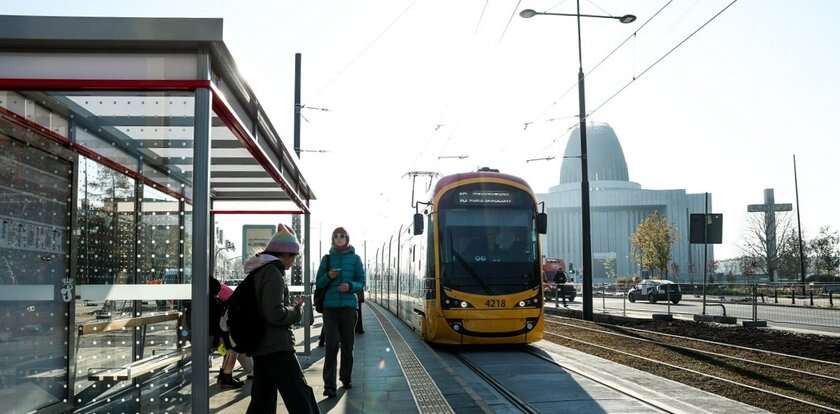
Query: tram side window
x=429 y=280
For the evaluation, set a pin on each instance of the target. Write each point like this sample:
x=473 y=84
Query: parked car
x=655 y=290
x=233 y=282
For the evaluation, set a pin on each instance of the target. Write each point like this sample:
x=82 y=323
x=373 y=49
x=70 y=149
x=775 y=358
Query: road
x=798 y=318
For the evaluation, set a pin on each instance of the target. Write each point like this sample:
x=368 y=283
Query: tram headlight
x=532 y=302
x=529 y=325
x=449 y=303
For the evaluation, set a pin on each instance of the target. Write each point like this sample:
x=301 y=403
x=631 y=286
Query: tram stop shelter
x=117 y=136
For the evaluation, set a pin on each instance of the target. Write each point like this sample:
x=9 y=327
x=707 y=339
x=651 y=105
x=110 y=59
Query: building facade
x=617 y=207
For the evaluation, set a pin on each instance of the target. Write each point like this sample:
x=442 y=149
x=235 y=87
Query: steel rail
x=498 y=386
x=604 y=383
x=688 y=338
x=712 y=353
x=710 y=376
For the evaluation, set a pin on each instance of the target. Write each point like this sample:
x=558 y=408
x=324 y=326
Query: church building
x=617 y=206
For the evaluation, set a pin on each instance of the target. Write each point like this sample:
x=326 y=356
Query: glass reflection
x=34 y=188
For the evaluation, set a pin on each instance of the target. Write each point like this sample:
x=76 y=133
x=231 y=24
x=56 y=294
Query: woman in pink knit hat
x=276 y=367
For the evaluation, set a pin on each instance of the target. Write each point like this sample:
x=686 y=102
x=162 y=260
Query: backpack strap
x=329 y=281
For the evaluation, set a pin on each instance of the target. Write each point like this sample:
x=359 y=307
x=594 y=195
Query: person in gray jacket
x=276 y=367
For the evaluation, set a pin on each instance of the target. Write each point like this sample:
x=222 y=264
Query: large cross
x=770 y=208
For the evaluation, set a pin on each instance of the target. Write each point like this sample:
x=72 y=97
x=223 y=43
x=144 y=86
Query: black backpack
x=244 y=320
x=321 y=293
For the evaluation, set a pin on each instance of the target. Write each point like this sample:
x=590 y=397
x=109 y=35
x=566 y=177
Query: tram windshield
x=489 y=249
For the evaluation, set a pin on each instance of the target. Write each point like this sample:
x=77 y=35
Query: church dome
x=606 y=158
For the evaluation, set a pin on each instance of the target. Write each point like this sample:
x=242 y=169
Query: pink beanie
x=284 y=241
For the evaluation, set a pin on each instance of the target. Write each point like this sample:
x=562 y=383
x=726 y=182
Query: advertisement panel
x=254 y=238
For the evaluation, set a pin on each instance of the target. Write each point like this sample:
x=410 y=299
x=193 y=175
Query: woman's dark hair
x=215 y=287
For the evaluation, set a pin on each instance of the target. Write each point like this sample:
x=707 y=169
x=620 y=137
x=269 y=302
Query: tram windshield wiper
x=469 y=268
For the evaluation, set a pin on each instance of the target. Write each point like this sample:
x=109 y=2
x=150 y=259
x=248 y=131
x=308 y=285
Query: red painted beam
x=237 y=212
x=85 y=151
x=232 y=121
x=220 y=106
x=102 y=84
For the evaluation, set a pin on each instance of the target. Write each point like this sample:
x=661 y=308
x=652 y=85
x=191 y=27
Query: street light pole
x=584 y=167
x=584 y=187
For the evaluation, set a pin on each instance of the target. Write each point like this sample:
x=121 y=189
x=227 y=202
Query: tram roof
x=449 y=179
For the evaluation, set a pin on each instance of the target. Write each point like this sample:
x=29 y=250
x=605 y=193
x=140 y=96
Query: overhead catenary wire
x=556 y=5
x=512 y=14
x=599 y=8
x=623 y=42
x=365 y=49
x=480 y=17
x=661 y=58
x=573 y=86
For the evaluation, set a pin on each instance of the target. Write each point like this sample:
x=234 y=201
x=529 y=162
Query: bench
x=141 y=366
x=138 y=368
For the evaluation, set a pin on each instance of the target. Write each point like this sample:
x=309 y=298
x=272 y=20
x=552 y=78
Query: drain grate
x=426 y=393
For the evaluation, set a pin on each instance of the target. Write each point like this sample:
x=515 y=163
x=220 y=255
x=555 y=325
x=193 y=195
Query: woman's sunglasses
x=288 y=254
x=340 y=236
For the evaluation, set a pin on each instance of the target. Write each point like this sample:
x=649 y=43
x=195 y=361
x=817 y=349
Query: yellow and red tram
x=474 y=275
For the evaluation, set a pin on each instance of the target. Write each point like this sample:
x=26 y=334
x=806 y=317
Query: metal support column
x=136 y=305
x=705 y=249
x=307 y=285
x=201 y=242
x=73 y=267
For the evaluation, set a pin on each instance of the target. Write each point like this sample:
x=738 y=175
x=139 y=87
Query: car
x=550 y=289
x=233 y=282
x=655 y=290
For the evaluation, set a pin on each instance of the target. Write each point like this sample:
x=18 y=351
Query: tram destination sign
x=485 y=198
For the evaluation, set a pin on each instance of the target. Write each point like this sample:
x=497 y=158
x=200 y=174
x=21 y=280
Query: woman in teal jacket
x=341 y=271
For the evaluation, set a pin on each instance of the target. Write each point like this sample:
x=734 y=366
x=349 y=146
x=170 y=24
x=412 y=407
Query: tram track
x=505 y=392
x=523 y=405
x=821 y=362
x=778 y=382
x=708 y=352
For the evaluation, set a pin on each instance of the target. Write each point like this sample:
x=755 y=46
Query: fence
x=810 y=306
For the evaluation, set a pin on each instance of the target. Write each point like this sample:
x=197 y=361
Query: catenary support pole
x=705 y=249
x=799 y=226
x=297 y=105
x=584 y=187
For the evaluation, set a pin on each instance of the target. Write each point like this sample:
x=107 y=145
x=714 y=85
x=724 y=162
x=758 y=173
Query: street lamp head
x=527 y=13
x=627 y=18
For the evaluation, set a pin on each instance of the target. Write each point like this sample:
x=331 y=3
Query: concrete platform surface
x=378 y=382
x=587 y=384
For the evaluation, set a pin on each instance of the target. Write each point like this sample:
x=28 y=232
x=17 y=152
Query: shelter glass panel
x=34 y=264
x=112 y=335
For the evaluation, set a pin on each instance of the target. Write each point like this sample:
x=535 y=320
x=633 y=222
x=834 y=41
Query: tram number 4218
x=496 y=303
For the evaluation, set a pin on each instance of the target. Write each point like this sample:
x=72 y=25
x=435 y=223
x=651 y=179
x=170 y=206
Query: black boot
x=228 y=382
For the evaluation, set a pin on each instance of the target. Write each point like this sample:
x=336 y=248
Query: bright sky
x=724 y=113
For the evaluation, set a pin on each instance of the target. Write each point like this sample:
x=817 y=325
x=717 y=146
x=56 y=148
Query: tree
x=755 y=246
x=789 y=265
x=652 y=242
x=826 y=251
x=610 y=267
